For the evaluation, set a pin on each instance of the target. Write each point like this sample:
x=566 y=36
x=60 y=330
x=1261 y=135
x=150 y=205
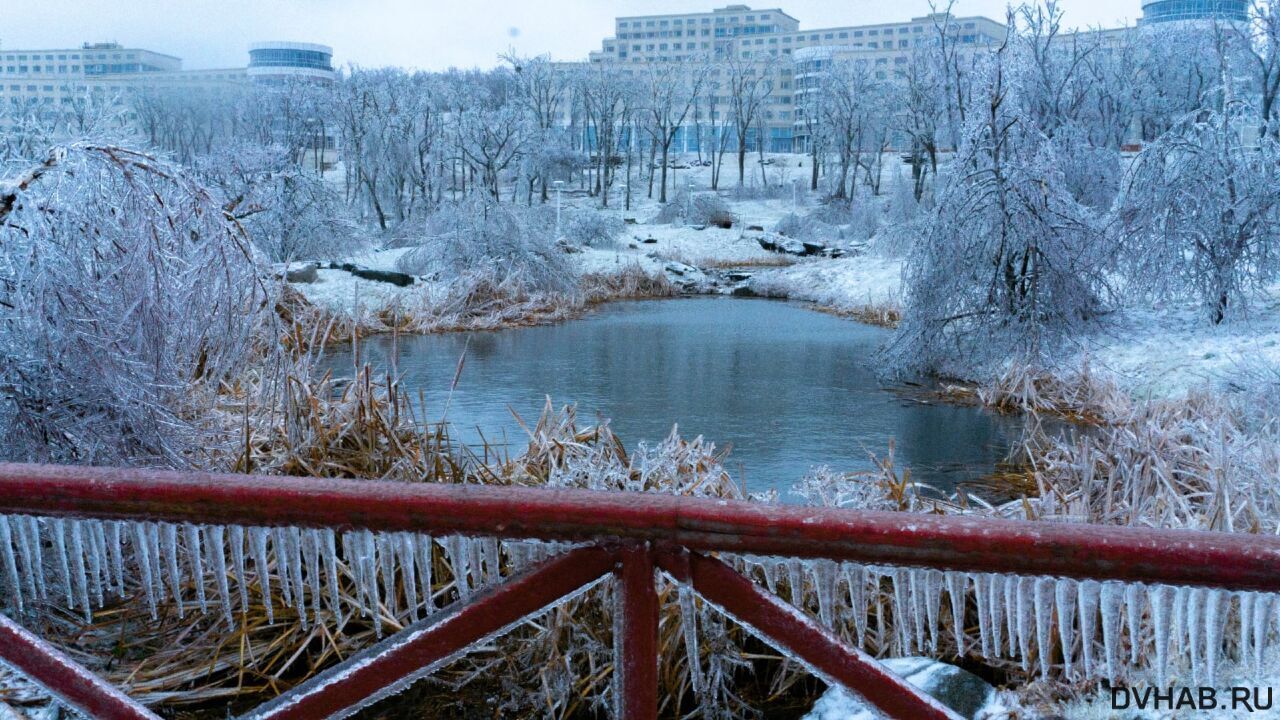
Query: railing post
x=64 y=678
x=636 y=647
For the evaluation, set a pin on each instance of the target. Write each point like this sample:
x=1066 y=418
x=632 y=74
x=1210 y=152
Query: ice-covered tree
x=124 y=287
x=1010 y=263
x=1201 y=210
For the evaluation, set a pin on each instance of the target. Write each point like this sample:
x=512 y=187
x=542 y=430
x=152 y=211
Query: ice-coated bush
x=697 y=209
x=479 y=235
x=122 y=284
x=289 y=211
x=590 y=227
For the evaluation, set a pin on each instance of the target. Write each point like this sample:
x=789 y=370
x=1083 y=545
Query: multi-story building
x=775 y=40
x=51 y=79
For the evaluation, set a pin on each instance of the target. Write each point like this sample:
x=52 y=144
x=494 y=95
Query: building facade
x=49 y=80
x=1162 y=11
x=775 y=41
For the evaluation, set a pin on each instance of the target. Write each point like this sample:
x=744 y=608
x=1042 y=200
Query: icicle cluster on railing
x=1050 y=626
x=319 y=573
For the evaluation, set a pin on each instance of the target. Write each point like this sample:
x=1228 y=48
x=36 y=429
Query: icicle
x=311 y=556
x=25 y=567
x=284 y=571
x=492 y=559
x=426 y=565
x=169 y=543
x=1065 y=597
x=795 y=580
x=64 y=564
x=78 y=570
x=996 y=609
x=856 y=577
x=117 y=556
x=1011 y=613
x=1133 y=614
x=1025 y=601
x=1213 y=617
x=475 y=562
x=458 y=552
x=1044 y=623
x=385 y=544
x=216 y=543
x=10 y=563
x=1195 y=632
x=770 y=575
x=1246 y=627
x=901 y=609
x=1088 y=594
x=689 y=624
x=824 y=583
x=195 y=555
x=1261 y=625
x=1178 y=636
x=237 y=565
x=956 y=592
x=31 y=528
x=293 y=547
x=258 y=544
x=157 y=560
x=329 y=549
x=405 y=551
x=142 y=548
x=1161 y=598
x=915 y=594
x=98 y=561
x=517 y=554
x=1112 y=596
x=368 y=554
x=981 y=589
x=933 y=580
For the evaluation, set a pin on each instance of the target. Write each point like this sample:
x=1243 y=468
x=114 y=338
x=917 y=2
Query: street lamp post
x=795 y=195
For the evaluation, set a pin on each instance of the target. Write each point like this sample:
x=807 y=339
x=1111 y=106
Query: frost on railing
x=1051 y=627
x=322 y=575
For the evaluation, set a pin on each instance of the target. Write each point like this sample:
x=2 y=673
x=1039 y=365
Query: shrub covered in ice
x=289 y=211
x=122 y=283
x=697 y=209
x=481 y=235
x=590 y=227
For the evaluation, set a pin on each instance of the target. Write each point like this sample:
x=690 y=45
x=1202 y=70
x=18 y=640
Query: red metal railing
x=627 y=536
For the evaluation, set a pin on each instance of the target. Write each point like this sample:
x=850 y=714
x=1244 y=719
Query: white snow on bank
x=843 y=284
x=1167 y=350
x=340 y=291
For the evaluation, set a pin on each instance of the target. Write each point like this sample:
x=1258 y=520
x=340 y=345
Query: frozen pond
x=785 y=387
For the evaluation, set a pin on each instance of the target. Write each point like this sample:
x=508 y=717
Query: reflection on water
x=785 y=387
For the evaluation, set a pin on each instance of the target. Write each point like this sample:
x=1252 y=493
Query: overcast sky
x=428 y=34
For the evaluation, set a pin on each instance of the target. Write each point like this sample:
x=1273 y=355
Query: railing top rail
x=1175 y=557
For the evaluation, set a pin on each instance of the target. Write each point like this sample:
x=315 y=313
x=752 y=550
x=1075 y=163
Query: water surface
x=785 y=387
